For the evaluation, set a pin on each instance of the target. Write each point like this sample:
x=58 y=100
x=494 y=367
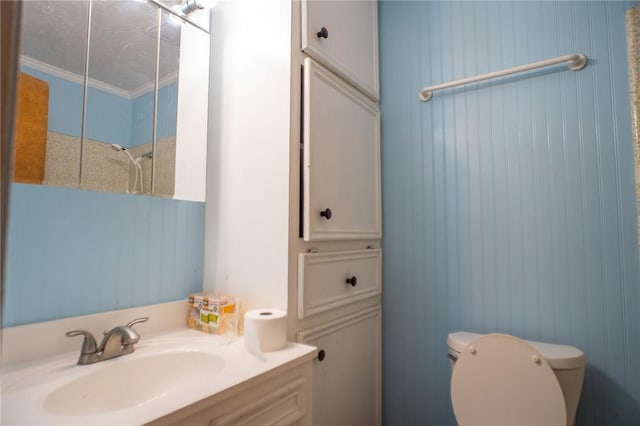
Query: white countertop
x=27 y=387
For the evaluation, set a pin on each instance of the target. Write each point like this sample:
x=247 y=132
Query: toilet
x=498 y=379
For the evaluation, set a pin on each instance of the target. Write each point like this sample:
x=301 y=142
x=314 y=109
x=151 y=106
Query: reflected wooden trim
x=633 y=49
x=10 y=12
x=31 y=123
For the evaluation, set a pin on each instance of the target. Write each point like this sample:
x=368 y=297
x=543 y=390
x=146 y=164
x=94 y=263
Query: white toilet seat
x=501 y=380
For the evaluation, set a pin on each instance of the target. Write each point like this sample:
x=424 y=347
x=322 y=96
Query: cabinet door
x=343 y=36
x=346 y=383
x=278 y=397
x=341 y=137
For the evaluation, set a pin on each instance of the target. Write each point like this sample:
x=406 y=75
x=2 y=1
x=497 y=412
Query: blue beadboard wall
x=73 y=252
x=108 y=116
x=166 y=124
x=509 y=206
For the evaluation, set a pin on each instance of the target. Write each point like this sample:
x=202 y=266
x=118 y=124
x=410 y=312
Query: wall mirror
x=112 y=97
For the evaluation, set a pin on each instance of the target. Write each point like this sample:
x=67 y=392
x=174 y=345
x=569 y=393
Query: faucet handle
x=88 y=345
x=137 y=321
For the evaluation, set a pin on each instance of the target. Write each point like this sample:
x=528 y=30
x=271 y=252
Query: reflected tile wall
x=107 y=170
x=164 y=160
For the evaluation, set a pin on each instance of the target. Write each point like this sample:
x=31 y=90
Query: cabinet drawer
x=341 y=176
x=329 y=280
x=343 y=36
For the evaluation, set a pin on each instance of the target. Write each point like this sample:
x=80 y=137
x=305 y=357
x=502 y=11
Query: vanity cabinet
x=346 y=376
x=343 y=35
x=341 y=141
x=278 y=397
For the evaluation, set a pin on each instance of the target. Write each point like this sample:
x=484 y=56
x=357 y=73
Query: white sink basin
x=124 y=383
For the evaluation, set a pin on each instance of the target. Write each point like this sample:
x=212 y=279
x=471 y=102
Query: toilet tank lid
x=559 y=357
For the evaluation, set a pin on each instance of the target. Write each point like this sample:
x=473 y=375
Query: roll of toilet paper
x=265 y=330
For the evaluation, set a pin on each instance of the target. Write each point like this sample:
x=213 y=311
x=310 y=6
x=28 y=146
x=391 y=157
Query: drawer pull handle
x=321 y=355
x=326 y=213
x=353 y=281
x=323 y=33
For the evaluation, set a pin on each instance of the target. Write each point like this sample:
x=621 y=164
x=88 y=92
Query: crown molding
x=73 y=77
x=148 y=87
x=96 y=84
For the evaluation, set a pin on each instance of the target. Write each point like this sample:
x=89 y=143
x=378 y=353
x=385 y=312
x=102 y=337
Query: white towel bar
x=574 y=62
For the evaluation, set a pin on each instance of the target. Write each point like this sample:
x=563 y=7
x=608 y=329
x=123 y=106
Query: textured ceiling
x=122 y=51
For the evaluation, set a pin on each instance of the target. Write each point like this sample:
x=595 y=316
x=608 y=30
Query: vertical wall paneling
x=509 y=205
x=76 y=252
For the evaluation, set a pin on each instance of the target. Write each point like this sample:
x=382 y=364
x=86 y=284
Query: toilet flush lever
x=536 y=359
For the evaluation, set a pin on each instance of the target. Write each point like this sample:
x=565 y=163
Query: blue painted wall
x=108 y=115
x=167 y=115
x=509 y=206
x=65 y=103
x=73 y=252
x=110 y=118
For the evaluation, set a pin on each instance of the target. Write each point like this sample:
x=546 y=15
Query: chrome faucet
x=116 y=342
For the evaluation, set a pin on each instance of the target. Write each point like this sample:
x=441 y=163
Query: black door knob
x=326 y=213
x=353 y=281
x=321 y=355
x=323 y=33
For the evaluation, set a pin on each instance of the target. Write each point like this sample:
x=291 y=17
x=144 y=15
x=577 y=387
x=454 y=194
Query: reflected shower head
x=135 y=162
x=120 y=148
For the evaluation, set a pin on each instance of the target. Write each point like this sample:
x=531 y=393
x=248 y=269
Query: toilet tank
x=559 y=357
x=566 y=362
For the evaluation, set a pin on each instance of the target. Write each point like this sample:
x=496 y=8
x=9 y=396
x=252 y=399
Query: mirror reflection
x=164 y=149
x=51 y=93
x=119 y=114
x=107 y=112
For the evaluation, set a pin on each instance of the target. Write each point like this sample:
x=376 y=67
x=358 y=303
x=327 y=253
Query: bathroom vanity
x=174 y=376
